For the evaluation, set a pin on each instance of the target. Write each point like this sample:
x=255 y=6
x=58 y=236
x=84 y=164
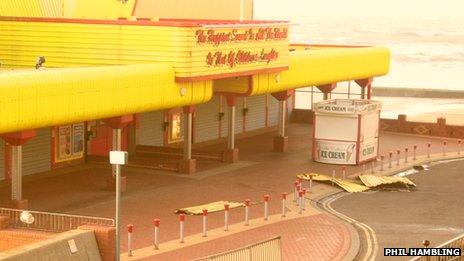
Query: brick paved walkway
x=318 y=237
x=156 y=194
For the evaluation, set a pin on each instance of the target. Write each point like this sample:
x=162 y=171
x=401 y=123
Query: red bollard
x=381 y=162
x=444 y=147
x=303 y=202
x=390 y=159
x=247 y=212
x=205 y=220
x=130 y=229
x=414 y=152
x=266 y=207
x=284 y=204
x=226 y=217
x=406 y=155
x=300 y=194
x=298 y=188
x=157 y=237
x=398 y=152
x=295 y=191
x=181 y=227
x=428 y=149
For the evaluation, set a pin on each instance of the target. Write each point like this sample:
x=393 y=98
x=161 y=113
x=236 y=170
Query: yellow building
x=81 y=77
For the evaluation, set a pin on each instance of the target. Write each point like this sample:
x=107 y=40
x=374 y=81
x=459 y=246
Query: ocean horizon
x=426 y=53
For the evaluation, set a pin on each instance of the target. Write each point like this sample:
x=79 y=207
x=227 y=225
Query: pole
x=381 y=162
x=181 y=227
x=188 y=137
x=300 y=198
x=390 y=154
x=205 y=217
x=282 y=105
x=231 y=130
x=303 y=200
x=295 y=191
x=406 y=155
x=284 y=204
x=247 y=212
x=333 y=177
x=130 y=229
x=444 y=147
x=414 y=152
x=226 y=217
x=344 y=172
x=118 y=209
x=157 y=237
x=16 y=172
x=398 y=152
x=373 y=166
x=266 y=207
x=459 y=147
x=428 y=149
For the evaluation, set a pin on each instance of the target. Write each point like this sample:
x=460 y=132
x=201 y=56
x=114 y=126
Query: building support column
x=326 y=89
x=281 y=141
x=230 y=155
x=187 y=164
x=117 y=124
x=17 y=140
x=365 y=84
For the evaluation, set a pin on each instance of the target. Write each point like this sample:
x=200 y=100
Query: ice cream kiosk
x=346 y=132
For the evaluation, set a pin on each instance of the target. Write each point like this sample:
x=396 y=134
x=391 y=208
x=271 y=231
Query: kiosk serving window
x=69 y=142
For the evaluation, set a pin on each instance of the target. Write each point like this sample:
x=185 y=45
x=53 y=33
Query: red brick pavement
x=318 y=237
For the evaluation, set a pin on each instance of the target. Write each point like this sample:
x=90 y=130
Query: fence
x=53 y=222
x=268 y=250
x=457 y=242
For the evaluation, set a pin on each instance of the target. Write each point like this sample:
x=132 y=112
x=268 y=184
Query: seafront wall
x=401 y=124
x=417 y=93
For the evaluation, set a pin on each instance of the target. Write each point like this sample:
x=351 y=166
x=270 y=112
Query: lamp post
x=118 y=158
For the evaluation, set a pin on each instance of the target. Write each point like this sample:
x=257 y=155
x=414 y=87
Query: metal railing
x=53 y=222
x=268 y=250
x=306 y=97
x=457 y=242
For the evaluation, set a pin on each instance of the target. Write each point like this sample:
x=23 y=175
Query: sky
x=429 y=9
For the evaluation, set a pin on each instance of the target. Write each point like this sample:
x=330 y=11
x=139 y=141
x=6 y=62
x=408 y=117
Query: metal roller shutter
x=2 y=159
x=207 y=121
x=37 y=153
x=151 y=128
x=256 y=117
x=273 y=111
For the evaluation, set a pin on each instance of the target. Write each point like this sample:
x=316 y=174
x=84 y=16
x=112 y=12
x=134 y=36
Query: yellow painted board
x=211 y=207
x=32 y=8
x=347 y=185
x=36 y=99
x=67 y=43
x=315 y=67
x=375 y=181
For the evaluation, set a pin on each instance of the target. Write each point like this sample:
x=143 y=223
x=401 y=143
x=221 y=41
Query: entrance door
x=102 y=143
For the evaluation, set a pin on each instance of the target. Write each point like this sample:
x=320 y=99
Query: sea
x=426 y=53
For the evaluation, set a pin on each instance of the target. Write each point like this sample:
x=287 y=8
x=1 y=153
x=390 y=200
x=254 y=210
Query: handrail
x=252 y=252
x=53 y=222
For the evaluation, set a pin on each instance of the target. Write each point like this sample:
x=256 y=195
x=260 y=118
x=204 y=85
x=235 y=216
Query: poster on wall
x=70 y=142
x=64 y=142
x=335 y=152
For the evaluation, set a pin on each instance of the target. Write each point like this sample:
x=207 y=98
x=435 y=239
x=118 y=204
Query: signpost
x=118 y=158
